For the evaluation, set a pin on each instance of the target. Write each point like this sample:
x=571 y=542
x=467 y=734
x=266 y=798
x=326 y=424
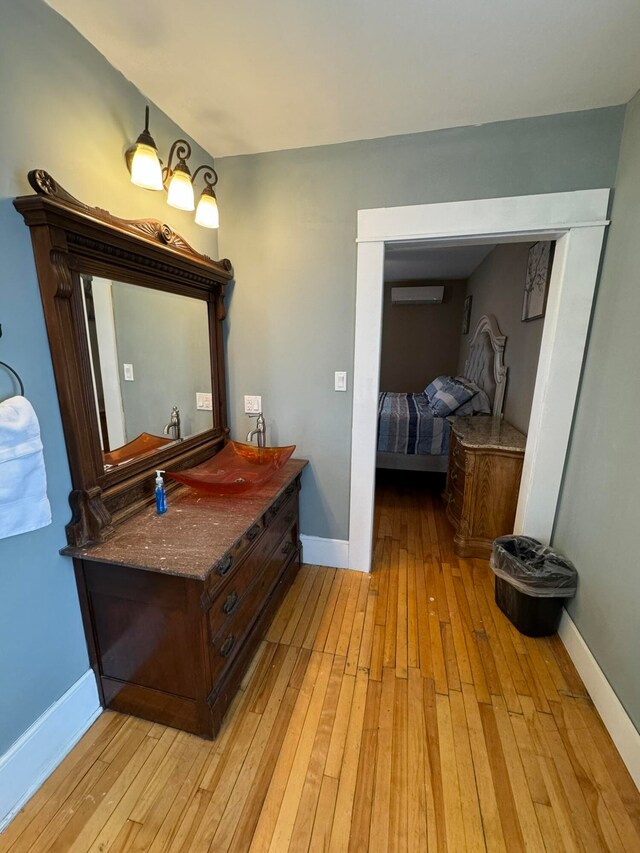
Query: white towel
x=24 y=504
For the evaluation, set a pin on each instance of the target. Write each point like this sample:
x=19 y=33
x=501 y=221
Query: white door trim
x=577 y=220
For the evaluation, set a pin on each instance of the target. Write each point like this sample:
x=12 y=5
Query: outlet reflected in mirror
x=149 y=353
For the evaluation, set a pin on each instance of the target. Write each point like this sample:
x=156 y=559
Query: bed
x=410 y=436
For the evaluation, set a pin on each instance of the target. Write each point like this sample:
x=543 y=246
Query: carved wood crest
x=45 y=185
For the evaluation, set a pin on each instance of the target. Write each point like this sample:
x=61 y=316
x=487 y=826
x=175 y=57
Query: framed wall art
x=466 y=316
x=537 y=281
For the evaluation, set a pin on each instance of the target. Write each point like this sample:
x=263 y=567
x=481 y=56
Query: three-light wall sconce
x=146 y=171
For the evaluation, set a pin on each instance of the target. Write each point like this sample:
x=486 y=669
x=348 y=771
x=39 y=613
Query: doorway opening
x=461 y=333
x=575 y=222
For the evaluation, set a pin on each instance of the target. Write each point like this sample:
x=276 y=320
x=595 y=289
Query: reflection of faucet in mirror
x=173 y=427
x=260 y=430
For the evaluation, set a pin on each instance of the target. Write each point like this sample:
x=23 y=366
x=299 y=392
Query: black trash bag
x=533 y=568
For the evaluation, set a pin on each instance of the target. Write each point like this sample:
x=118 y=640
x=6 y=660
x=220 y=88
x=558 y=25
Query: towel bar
x=11 y=370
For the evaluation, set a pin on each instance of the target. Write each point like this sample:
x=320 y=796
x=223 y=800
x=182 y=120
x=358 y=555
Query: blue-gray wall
x=597 y=523
x=497 y=287
x=288 y=221
x=63 y=108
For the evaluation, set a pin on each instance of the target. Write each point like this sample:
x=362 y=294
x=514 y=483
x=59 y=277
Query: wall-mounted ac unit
x=428 y=295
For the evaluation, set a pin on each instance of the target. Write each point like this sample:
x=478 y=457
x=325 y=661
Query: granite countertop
x=195 y=533
x=488 y=432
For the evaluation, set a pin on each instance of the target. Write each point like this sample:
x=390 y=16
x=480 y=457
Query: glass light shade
x=180 y=192
x=207 y=211
x=145 y=167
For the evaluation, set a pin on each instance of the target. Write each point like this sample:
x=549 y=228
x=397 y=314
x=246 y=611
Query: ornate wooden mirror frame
x=69 y=239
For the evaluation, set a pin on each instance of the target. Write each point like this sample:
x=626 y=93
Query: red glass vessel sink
x=144 y=443
x=235 y=469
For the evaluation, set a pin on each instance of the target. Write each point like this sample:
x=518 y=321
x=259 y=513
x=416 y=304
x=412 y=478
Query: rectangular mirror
x=151 y=367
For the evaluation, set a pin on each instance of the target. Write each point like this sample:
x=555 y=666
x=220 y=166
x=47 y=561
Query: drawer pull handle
x=277 y=505
x=228 y=644
x=253 y=532
x=230 y=602
x=288 y=547
x=275 y=509
x=225 y=565
x=454 y=475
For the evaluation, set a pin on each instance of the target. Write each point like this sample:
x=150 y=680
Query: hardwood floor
x=397 y=711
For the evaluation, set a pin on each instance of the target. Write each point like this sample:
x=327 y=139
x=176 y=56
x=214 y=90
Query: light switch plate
x=128 y=372
x=204 y=402
x=252 y=404
x=340 y=380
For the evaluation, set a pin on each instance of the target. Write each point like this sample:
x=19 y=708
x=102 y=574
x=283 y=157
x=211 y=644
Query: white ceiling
x=244 y=76
x=413 y=260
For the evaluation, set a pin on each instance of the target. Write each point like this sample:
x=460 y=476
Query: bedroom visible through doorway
x=461 y=333
x=576 y=222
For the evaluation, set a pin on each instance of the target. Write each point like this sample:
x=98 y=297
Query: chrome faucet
x=260 y=429
x=173 y=427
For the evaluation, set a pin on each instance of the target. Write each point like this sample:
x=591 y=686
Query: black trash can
x=532 y=584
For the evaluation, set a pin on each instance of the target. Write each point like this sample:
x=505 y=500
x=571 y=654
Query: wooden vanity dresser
x=483 y=481
x=175 y=605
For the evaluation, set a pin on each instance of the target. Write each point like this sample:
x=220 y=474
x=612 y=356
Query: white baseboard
x=616 y=720
x=325 y=552
x=37 y=752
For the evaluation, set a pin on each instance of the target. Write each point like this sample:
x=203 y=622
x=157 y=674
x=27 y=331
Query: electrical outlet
x=340 y=380
x=252 y=405
x=128 y=372
x=204 y=402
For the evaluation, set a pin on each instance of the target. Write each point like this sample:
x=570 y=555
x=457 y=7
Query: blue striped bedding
x=407 y=425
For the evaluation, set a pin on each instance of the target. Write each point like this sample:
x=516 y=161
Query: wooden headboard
x=485 y=362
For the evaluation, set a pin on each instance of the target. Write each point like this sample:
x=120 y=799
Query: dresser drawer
x=236 y=564
x=254 y=546
x=229 y=636
x=231 y=594
x=241 y=548
x=226 y=686
x=242 y=576
x=456 y=501
x=457 y=478
x=457 y=458
x=284 y=505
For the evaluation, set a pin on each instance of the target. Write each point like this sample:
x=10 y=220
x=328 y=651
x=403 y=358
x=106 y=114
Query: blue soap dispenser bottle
x=161 y=495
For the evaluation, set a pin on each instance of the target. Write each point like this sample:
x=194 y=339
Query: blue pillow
x=479 y=404
x=433 y=387
x=447 y=396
